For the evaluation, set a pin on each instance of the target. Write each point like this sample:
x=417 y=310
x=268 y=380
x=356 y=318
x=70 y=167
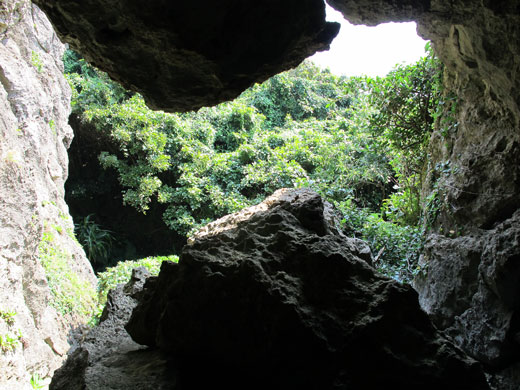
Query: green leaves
x=95 y=240
x=120 y=274
x=359 y=142
x=405 y=103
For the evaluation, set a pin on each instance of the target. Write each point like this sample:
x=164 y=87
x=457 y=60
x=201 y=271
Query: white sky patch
x=372 y=51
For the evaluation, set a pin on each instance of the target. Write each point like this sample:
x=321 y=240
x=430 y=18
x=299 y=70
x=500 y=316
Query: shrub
x=96 y=241
x=396 y=247
x=121 y=273
x=359 y=142
x=10 y=340
x=70 y=294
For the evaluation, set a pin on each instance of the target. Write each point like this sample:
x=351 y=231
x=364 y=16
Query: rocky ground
x=271 y=297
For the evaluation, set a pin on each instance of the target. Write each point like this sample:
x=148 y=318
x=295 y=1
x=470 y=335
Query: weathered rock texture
x=183 y=55
x=107 y=358
x=470 y=287
x=474 y=180
x=34 y=135
x=471 y=261
x=276 y=297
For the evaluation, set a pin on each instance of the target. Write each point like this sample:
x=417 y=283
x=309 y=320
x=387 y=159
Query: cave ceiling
x=185 y=55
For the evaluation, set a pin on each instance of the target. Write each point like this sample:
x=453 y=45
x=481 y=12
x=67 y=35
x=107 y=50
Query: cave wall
x=470 y=267
x=183 y=55
x=34 y=136
x=470 y=277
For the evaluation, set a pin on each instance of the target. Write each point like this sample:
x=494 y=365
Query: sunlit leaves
x=359 y=142
x=405 y=104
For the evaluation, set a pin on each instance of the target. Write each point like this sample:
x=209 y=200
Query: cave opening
x=370 y=50
x=283 y=123
x=469 y=277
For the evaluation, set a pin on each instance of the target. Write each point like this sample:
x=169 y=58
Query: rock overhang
x=185 y=55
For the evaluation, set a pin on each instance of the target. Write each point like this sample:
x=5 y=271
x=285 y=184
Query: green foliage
x=36 y=61
x=8 y=316
x=10 y=340
x=96 y=241
x=360 y=142
x=52 y=125
x=121 y=273
x=70 y=294
x=37 y=382
x=90 y=88
x=302 y=93
x=395 y=247
x=406 y=103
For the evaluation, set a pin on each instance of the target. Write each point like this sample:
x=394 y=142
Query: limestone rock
x=107 y=358
x=473 y=173
x=34 y=135
x=276 y=299
x=184 y=55
x=474 y=167
x=470 y=287
x=373 y=12
x=471 y=281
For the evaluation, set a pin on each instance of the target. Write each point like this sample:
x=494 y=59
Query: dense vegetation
x=359 y=142
x=120 y=274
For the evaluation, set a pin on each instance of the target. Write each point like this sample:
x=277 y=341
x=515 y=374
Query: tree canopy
x=359 y=142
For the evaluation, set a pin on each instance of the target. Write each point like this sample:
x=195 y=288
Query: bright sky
x=373 y=51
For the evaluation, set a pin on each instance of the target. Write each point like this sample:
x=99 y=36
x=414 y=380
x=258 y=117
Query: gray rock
x=272 y=297
x=107 y=358
x=471 y=284
x=184 y=55
x=474 y=167
x=373 y=12
x=470 y=288
x=34 y=136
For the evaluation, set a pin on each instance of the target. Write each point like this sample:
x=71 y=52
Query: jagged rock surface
x=373 y=12
x=184 y=55
x=107 y=358
x=275 y=297
x=472 y=190
x=473 y=175
x=470 y=287
x=34 y=135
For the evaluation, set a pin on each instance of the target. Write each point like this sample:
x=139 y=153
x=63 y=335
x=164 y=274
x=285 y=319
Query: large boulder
x=275 y=296
x=183 y=55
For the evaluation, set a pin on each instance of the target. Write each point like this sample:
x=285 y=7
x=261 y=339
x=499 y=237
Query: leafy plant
x=396 y=247
x=70 y=294
x=8 y=316
x=37 y=382
x=121 y=273
x=52 y=126
x=9 y=342
x=359 y=142
x=406 y=104
x=36 y=61
x=95 y=240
